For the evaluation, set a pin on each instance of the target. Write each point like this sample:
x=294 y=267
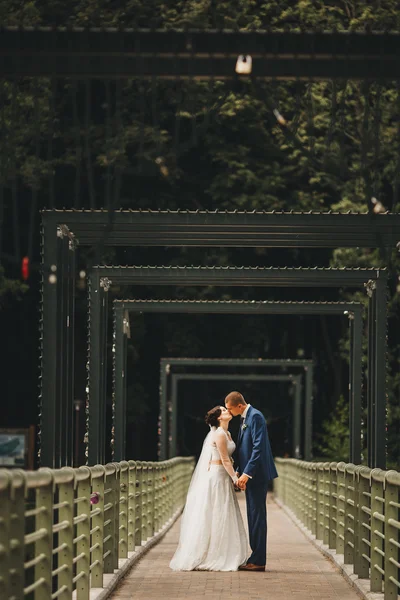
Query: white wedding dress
x=212 y=536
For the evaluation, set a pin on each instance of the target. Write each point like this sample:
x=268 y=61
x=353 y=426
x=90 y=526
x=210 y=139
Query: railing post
x=66 y=535
x=109 y=518
x=357 y=530
x=332 y=505
x=156 y=497
x=97 y=525
x=44 y=546
x=82 y=577
x=392 y=525
x=349 y=518
x=314 y=498
x=377 y=529
x=132 y=506
x=320 y=502
x=151 y=498
x=364 y=513
x=326 y=502
x=116 y=481
x=340 y=513
x=6 y=484
x=123 y=510
x=145 y=502
x=138 y=506
x=16 y=535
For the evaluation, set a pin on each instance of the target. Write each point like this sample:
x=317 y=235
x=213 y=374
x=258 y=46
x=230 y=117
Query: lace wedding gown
x=212 y=536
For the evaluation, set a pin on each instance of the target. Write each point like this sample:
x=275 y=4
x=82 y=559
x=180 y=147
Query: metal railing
x=353 y=510
x=61 y=530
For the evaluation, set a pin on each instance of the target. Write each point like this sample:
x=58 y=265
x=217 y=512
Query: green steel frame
x=176 y=378
x=203 y=228
x=166 y=364
x=120 y=53
x=242 y=276
x=223 y=228
x=122 y=308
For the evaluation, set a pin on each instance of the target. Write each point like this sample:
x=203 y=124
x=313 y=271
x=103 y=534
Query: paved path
x=296 y=570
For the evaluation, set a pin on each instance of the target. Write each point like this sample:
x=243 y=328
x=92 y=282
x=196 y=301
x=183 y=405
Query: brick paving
x=296 y=570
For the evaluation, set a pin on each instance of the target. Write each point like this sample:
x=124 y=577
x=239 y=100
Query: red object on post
x=25 y=268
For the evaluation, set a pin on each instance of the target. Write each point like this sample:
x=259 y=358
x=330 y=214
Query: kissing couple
x=212 y=536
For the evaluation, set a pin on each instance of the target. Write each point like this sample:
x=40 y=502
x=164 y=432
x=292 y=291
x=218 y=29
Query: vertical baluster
x=392 y=537
x=349 y=519
x=364 y=512
x=123 y=509
x=340 y=503
x=109 y=519
x=6 y=484
x=138 y=498
x=145 y=496
x=132 y=506
x=377 y=529
x=332 y=505
x=83 y=534
x=115 y=513
x=44 y=546
x=326 y=503
x=97 y=525
x=66 y=492
x=314 y=498
x=16 y=534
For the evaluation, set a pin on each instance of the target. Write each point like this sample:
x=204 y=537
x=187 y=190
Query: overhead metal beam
x=229 y=229
x=238 y=276
x=271 y=307
x=122 y=53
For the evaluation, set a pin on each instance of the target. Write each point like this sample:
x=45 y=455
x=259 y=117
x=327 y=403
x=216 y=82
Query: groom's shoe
x=251 y=567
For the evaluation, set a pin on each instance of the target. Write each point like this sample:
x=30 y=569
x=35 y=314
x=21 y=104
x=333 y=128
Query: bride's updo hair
x=212 y=416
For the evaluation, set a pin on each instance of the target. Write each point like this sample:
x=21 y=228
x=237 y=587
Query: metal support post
x=308 y=424
x=163 y=435
x=379 y=414
x=98 y=288
x=297 y=417
x=48 y=346
x=356 y=388
x=119 y=359
x=370 y=286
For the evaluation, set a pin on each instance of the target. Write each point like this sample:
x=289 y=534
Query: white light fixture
x=244 y=64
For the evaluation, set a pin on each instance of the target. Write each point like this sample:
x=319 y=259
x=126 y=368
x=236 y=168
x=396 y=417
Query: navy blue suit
x=254 y=457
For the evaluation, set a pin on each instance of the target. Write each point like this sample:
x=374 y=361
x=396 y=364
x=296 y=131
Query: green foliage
x=334 y=438
x=201 y=145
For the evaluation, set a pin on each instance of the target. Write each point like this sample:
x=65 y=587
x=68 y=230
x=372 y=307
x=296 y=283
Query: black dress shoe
x=251 y=567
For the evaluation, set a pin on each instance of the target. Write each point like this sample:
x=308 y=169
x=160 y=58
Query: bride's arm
x=222 y=446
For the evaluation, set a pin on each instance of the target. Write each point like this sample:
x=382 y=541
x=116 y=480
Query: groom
x=256 y=468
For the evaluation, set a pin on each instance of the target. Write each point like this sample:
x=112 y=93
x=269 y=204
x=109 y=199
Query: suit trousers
x=256 y=501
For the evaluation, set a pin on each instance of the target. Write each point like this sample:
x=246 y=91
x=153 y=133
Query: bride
x=212 y=536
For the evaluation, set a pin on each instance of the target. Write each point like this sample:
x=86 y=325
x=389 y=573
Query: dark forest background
x=206 y=145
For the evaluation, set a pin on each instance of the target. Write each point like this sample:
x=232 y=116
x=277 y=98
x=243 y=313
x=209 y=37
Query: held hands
x=242 y=482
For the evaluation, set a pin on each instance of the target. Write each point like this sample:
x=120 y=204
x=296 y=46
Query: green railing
x=61 y=530
x=352 y=509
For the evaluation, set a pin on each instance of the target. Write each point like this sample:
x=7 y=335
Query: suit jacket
x=253 y=452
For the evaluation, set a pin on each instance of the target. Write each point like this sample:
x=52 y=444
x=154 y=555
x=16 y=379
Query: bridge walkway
x=296 y=570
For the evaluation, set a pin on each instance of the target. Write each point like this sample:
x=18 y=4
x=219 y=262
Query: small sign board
x=14 y=448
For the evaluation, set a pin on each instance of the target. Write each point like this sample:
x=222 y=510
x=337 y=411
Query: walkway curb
x=361 y=586
x=111 y=580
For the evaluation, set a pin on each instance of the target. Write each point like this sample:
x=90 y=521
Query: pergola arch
x=353 y=310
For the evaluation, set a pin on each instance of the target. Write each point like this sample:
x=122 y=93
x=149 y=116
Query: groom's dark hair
x=235 y=398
